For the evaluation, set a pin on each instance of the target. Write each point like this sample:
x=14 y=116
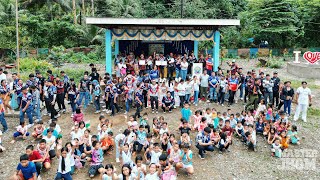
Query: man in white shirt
x=2 y=75
x=303 y=96
x=204 y=83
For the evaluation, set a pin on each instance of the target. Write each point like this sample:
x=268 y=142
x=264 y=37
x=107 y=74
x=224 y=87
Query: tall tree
x=277 y=22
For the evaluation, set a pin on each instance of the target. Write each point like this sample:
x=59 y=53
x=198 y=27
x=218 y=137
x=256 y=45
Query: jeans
x=183 y=74
x=36 y=109
x=182 y=100
x=154 y=101
x=221 y=97
x=270 y=96
x=97 y=103
x=38 y=167
x=86 y=97
x=128 y=104
x=73 y=105
x=139 y=108
x=60 y=101
x=204 y=148
x=287 y=106
x=213 y=95
x=51 y=108
x=231 y=96
x=241 y=90
x=187 y=98
x=29 y=114
x=66 y=176
x=114 y=105
x=196 y=97
x=178 y=74
x=3 y=121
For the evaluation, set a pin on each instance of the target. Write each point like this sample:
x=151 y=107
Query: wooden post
x=17 y=38
x=74 y=11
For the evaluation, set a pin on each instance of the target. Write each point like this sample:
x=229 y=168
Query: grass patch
x=314 y=112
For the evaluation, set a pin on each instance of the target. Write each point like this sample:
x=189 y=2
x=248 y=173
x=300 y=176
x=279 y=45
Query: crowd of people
x=148 y=149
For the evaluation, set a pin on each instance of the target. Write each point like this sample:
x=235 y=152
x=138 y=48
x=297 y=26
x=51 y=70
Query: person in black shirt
x=185 y=128
x=95 y=75
x=275 y=89
x=41 y=81
x=84 y=89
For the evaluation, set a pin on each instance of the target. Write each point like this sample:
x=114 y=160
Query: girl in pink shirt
x=196 y=120
x=249 y=118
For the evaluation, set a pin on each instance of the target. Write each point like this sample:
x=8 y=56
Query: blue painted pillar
x=216 y=50
x=195 y=48
x=108 y=51
x=116 y=48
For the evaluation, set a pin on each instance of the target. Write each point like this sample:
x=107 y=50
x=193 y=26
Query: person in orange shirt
x=284 y=140
x=107 y=143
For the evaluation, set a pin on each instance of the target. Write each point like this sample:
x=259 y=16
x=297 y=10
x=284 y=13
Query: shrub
x=31 y=64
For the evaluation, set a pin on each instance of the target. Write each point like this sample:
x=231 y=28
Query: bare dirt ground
x=237 y=164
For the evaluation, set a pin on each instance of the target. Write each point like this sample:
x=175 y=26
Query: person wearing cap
x=60 y=94
x=153 y=93
x=303 y=99
x=72 y=96
x=2 y=75
x=41 y=81
x=36 y=102
x=223 y=84
x=26 y=106
x=84 y=89
x=213 y=82
x=268 y=89
x=65 y=79
x=50 y=98
x=97 y=94
x=276 y=89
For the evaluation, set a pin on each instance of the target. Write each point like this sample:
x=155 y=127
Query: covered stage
x=180 y=36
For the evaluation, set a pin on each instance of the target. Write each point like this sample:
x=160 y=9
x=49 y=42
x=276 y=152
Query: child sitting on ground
x=22 y=130
x=144 y=122
x=38 y=130
x=78 y=117
x=96 y=161
x=196 y=120
x=259 y=126
x=107 y=143
x=276 y=148
x=292 y=133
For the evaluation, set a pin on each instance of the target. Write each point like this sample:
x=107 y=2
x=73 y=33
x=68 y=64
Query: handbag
x=13 y=102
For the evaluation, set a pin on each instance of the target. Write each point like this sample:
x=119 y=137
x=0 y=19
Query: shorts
x=186 y=166
x=17 y=134
x=47 y=160
x=93 y=170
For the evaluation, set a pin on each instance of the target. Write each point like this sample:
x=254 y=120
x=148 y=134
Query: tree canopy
x=282 y=23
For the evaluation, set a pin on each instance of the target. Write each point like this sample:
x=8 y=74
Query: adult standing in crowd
x=303 y=99
x=275 y=89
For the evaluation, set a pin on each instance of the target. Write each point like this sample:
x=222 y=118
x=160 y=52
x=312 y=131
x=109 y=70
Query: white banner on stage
x=197 y=69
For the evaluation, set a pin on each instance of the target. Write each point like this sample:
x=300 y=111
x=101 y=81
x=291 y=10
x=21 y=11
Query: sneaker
x=196 y=105
x=208 y=101
x=170 y=111
x=152 y=111
x=164 y=112
x=222 y=104
x=30 y=125
x=49 y=114
x=157 y=112
x=56 y=116
x=201 y=157
x=97 y=112
x=63 y=111
x=147 y=107
x=220 y=152
x=104 y=110
x=71 y=116
x=125 y=113
x=5 y=131
x=117 y=160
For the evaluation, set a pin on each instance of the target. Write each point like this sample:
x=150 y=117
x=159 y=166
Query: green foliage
x=80 y=57
x=275 y=63
x=32 y=64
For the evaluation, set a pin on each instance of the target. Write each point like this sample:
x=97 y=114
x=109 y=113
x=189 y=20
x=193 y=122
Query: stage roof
x=166 y=24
